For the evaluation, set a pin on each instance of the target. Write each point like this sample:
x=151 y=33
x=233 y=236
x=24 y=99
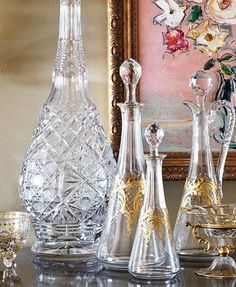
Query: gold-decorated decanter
x=128 y=188
x=203 y=184
x=153 y=254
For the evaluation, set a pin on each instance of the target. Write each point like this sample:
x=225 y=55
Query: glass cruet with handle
x=203 y=185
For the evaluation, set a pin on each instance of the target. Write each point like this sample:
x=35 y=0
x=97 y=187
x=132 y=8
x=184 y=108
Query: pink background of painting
x=165 y=82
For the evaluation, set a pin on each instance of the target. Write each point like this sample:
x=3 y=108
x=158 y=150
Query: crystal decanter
x=69 y=167
x=127 y=194
x=153 y=254
x=203 y=185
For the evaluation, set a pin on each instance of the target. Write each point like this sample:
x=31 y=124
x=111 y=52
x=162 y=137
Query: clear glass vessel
x=203 y=185
x=127 y=194
x=65 y=274
x=153 y=254
x=219 y=222
x=69 y=167
x=14 y=232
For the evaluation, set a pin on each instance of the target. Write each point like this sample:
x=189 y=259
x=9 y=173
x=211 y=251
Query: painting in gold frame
x=122 y=44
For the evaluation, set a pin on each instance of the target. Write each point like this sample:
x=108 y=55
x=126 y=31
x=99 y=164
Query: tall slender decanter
x=127 y=194
x=69 y=167
x=203 y=185
x=153 y=254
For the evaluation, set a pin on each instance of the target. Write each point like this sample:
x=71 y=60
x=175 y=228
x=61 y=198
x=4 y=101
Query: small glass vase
x=69 y=167
x=127 y=194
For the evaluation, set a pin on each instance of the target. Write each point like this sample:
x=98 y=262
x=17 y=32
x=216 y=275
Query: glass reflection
x=65 y=274
x=108 y=278
x=9 y=277
x=160 y=283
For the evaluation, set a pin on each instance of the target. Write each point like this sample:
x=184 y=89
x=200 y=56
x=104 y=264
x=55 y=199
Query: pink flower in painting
x=175 y=40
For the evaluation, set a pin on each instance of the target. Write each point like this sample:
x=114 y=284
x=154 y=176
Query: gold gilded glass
x=153 y=254
x=203 y=185
x=127 y=194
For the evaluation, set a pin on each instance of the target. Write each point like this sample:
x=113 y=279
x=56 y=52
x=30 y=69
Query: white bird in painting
x=172 y=13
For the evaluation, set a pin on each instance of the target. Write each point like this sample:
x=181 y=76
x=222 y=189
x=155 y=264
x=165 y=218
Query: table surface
x=31 y=274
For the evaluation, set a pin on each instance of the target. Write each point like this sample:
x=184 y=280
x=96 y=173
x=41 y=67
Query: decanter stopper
x=200 y=82
x=130 y=72
x=154 y=135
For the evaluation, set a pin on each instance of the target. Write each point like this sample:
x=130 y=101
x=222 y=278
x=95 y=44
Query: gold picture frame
x=122 y=44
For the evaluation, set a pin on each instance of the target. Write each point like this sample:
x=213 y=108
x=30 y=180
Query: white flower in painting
x=172 y=13
x=208 y=38
x=196 y=1
x=222 y=11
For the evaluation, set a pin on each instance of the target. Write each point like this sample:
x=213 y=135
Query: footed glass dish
x=218 y=222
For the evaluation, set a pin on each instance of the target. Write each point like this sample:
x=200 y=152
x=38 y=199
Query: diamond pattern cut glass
x=68 y=169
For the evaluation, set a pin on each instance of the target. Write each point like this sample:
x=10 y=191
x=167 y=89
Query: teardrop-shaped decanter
x=69 y=167
x=203 y=185
x=127 y=194
x=153 y=254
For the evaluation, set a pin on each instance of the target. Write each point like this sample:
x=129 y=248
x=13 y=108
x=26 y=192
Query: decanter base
x=161 y=275
x=66 y=242
x=84 y=255
x=120 y=264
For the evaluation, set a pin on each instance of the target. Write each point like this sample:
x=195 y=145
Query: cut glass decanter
x=69 y=167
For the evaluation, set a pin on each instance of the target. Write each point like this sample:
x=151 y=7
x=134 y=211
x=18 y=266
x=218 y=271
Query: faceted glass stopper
x=130 y=72
x=154 y=135
x=200 y=82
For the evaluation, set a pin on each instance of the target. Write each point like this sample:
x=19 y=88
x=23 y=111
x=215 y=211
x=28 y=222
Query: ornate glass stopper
x=130 y=72
x=200 y=83
x=154 y=135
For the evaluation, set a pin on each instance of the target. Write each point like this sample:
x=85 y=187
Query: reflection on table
x=31 y=272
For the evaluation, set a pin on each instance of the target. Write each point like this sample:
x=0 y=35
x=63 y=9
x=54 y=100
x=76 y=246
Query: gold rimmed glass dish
x=218 y=223
x=14 y=232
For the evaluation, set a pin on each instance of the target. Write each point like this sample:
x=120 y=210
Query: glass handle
x=226 y=134
x=201 y=239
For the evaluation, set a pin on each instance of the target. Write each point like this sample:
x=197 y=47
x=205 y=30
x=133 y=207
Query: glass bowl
x=14 y=231
x=217 y=222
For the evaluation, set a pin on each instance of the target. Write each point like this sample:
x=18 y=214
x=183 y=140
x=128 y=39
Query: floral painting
x=177 y=38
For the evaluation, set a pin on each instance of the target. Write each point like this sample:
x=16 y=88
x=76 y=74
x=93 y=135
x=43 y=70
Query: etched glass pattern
x=68 y=169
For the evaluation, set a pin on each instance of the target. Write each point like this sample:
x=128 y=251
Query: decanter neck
x=70 y=58
x=131 y=149
x=154 y=179
x=70 y=23
x=201 y=156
